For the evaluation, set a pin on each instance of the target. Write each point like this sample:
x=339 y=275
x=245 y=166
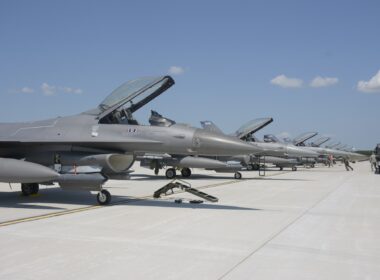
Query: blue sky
x=235 y=61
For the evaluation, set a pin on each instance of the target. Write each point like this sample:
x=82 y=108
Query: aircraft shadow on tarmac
x=143 y=177
x=172 y=204
x=52 y=195
x=57 y=196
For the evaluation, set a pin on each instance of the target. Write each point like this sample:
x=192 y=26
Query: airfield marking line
x=122 y=201
x=281 y=230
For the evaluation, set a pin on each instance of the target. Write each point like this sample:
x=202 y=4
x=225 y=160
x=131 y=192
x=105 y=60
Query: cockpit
x=270 y=138
x=119 y=106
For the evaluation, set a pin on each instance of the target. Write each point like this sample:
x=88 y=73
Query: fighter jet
x=334 y=150
x=219 y=163
x=83 y=151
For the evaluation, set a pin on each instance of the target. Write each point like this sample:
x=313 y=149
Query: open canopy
x=299 y=141
x=131 y=96
x=252 y=127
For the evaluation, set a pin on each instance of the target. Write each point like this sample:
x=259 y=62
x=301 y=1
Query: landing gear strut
x=186 y=172
x=170 y=173
x=29 y=189
x=104 y=197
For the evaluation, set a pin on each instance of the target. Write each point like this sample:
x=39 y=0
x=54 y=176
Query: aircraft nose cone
x=210 y=143
x=293 y=151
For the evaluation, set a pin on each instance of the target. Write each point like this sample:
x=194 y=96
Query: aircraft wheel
x=170 y=173
x=281 y=168
x=255 y=166
x=27 y=189
x=186 y=172
x=104 y=197
x=294 y=168
x=312 y=165
x=35 y=188
x=237 y=175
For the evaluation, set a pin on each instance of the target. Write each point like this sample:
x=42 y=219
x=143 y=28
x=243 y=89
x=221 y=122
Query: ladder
x=182 y=185
x=262 y=171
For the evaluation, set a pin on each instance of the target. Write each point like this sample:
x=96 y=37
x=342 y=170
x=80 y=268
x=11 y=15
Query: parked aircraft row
x=83 y=151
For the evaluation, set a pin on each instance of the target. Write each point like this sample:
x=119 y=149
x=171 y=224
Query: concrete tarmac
x=320 y=223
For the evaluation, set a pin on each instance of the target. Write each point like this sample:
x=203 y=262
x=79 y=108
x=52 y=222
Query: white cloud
x=47 y=89
x=71 y=90
x=373 y=85
x=176 y=70
x=27 y=90
x=285 y=82
x=323 y=81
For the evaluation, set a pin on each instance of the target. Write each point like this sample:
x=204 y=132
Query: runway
x=320 y=223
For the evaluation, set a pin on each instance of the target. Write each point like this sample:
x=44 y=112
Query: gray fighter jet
x=219 y=163
x=82 y=152
x=324 y=151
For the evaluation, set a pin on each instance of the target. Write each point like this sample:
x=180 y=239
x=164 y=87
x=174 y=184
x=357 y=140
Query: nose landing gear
x=104 y=197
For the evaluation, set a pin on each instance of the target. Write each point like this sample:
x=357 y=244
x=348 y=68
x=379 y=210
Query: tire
x=281 y=168
x=170 y=173
x=256 y=166
x=250 y=167
x=35 y=188
x=312 y=165
x=186 y=172
x=27 y=189
x=294 y=168
x=237 y=176
x=104 y=197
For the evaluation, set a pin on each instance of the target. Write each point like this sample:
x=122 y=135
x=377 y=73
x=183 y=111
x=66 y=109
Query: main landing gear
x=104 y=197
x=294 y=168
x=29 y=189
x=171 y=173
x=186 y=172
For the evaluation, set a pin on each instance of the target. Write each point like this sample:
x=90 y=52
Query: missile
x=19 y=171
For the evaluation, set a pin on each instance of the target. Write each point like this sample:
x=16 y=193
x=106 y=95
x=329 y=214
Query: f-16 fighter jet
x=83 y=151
x=324 y=151
x=218 y=163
